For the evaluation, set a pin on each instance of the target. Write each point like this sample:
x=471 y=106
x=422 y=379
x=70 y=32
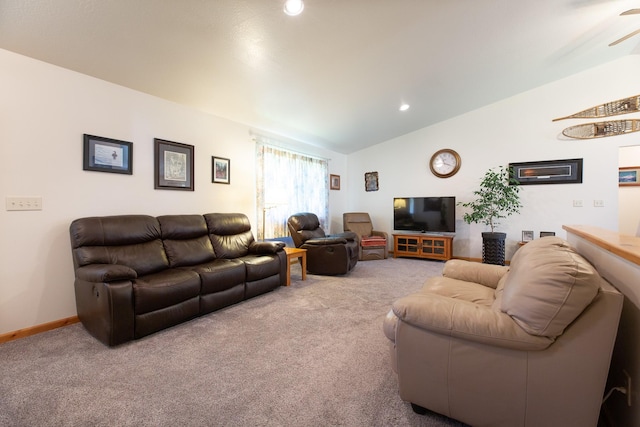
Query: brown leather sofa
x=137 y=274
x=524 y=345
x=326 y=254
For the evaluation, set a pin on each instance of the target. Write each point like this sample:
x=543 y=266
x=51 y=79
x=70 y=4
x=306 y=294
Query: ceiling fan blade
x=620 y=40
x=630 y=12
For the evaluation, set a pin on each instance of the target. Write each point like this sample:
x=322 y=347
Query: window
x=287 y=183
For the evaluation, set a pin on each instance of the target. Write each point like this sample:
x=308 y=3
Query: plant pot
x=493 y=248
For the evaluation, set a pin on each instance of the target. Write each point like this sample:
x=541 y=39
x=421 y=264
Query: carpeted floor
x=312 y=354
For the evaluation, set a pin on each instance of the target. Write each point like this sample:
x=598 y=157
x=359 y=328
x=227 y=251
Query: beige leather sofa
x=525 y=345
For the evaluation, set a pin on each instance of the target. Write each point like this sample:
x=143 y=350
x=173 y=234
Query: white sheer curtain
x=287 y=183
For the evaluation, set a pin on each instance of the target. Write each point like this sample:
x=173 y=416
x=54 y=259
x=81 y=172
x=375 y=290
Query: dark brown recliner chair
x=327 y=255
x=372 y=243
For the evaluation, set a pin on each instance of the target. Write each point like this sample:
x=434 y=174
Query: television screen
x=425 y=214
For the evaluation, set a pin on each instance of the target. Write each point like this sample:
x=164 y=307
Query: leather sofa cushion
x=114 y=230
x=230 y=234
x=226 y=224
x=234 y=246
x=261 y=266
x=317 y=233
x=462 y=319
x=189 y=252
x=143 y=258
x=221 y=274
x=186 y=240
x=266 y=247
x=130 y=240
x=304 y=221
x=548 y=285
x=164 y=289
x=182 y=227
x=460 y=289
x=485 y=274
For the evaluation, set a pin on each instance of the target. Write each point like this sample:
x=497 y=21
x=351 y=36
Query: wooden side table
x=293 y=253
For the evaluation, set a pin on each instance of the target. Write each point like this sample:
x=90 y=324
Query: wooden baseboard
x=21 y=333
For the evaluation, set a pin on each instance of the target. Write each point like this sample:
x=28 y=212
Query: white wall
x=518 y=129
x=44 y=111
x=629 y=202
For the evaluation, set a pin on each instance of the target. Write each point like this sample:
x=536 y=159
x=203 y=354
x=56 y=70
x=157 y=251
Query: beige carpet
x=312 y=354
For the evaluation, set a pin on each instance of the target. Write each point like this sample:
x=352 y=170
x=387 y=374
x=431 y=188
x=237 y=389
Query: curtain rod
x=265 y=140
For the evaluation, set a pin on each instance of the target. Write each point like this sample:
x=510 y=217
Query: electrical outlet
x=23 y=203
x=627 y=386
x=598 y=203
x=577 y=203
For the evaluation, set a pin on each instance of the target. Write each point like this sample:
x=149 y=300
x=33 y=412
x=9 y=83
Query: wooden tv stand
x=430 y=246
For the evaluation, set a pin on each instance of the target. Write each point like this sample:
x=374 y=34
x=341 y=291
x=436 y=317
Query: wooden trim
x=464 y=258
x=626 y=247
x=33 y=330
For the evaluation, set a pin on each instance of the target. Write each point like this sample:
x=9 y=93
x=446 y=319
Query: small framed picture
x=527 y=235
x=628 y=176
x=547 y=233
x=334 y=182
x=371 y=181
x=107 y=155
x=220 y=170
x=173 y=164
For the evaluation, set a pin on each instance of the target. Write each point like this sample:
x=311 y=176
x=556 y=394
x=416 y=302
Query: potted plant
x=497 y=198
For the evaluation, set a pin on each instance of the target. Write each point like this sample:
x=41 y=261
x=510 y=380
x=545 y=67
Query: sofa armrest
x=484 y=274
x=106 y=309
x=389 y=326
x=349 y=236
x=270 y=247
x=467 y=321
x=324 y=241
x=105 y=273
x=380 y=234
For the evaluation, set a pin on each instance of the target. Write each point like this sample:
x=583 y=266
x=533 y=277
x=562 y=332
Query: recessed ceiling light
x=293 y=7
x=404 y=107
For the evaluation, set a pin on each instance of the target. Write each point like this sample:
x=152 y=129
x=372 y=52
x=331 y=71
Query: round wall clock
x=445 y=163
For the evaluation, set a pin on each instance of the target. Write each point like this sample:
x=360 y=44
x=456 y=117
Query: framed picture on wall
x=628 y=176
x=371 y=181
x=334 y=182
x=107 y=155
x=173 y=164
x=568 y=171
x=220 y=170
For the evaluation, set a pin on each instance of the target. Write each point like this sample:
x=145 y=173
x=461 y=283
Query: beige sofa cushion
x=548 y=285
x=485 y=274
x=459 y=289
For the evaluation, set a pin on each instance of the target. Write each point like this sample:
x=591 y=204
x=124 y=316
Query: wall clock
x=445 y=163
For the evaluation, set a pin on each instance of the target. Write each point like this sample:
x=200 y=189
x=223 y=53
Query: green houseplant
x=498 y=197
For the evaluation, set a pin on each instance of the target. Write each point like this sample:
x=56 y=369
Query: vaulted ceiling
x=334 y=76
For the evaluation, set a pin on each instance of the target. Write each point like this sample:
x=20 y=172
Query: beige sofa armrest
x=485 y=274
x=466 y=320
x=389 y=326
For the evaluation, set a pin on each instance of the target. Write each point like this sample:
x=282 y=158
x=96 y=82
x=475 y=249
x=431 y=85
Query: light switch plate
x=24 y=203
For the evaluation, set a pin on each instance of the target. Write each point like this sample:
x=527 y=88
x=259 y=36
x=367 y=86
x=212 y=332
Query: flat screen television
x=425 y=214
